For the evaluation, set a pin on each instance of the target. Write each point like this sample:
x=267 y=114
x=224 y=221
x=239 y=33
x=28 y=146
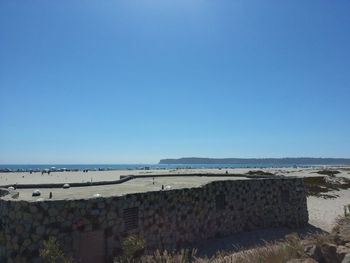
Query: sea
x=106 y=167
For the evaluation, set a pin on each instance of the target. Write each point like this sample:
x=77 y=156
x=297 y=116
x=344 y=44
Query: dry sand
x=138 y=185
x=323 y=212
x=78 y=177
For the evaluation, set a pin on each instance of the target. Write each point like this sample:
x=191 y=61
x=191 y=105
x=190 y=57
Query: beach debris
x=40 y=199
x=11 y=188
x=162 y=186
x=168 y=187
x=36 y=193
x=96 y=195
x=66 y=186
x=50 y=196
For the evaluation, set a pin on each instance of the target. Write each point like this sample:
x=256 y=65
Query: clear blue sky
x=135 y=81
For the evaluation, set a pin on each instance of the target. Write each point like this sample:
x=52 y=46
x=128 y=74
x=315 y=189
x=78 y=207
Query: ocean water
x=39 y=167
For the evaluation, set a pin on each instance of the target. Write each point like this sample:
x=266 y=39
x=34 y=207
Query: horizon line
x=155 y=163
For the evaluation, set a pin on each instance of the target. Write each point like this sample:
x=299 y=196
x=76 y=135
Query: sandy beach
x=80 y=176
x=322 y=212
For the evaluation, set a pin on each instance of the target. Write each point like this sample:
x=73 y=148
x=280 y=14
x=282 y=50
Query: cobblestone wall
x=167 y=219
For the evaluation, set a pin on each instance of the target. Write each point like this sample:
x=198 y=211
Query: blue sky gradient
x=137 y=81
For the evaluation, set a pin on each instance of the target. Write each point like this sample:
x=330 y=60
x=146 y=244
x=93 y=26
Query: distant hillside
x=263 y=161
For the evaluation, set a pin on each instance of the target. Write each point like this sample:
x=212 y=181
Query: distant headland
x=262 y=161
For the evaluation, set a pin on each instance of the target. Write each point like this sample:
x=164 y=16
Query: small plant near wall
x=182 y=256
x=133 y=248
x=52 y=252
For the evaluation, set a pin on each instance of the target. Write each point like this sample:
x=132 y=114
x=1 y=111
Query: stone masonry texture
x=166 y=219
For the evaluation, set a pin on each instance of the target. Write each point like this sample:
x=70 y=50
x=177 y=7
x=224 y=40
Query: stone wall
x=94 y=228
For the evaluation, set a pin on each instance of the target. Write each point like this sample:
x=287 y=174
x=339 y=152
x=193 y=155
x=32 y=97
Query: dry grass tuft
x=341 y=231
x=279 y=252
x=184 y=256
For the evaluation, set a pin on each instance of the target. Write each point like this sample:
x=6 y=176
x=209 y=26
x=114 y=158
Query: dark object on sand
x=50 y=196
x=259 y=172
x=36 y=193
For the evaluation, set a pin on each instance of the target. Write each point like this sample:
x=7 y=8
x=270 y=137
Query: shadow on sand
x=247 y=240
